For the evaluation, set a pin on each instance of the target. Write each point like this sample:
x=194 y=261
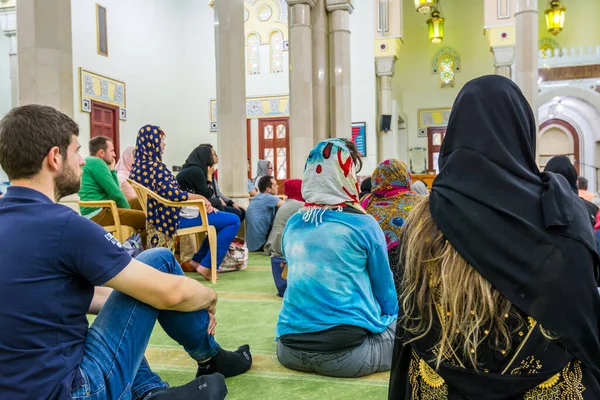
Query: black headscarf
x=201 y=157
x=365 y=187
x=524 y=231
x=562 y=165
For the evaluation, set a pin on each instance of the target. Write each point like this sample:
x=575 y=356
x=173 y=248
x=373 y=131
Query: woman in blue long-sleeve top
x=339 y=311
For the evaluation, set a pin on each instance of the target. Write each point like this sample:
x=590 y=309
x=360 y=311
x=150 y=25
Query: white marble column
x=231 y=98
x=320 y=59
x=504 y=57
x=14 y=71
x=301 y=84
x=526 y=53
x=8 y=24
x=339 y=51
x=45 y=54
x=385 y=67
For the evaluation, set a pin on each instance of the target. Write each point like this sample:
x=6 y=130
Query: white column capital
x=526 y=6
x=385 y=66
x=8 y=20
x=339 y=5
x=504 y=56
x=311 y=3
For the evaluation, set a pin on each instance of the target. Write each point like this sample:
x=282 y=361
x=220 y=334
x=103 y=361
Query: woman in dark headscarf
x=163 y=221
x=562 y=165
x=196 y=175
x=498 y=298
x=365 y=188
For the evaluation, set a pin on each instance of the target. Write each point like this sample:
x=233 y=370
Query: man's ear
x=54 y=159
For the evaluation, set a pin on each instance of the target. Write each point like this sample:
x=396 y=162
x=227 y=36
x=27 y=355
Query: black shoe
x=207 y=387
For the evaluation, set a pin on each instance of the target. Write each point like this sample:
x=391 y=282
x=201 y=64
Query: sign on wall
x=359 y=137
x=434 y=117
x=102 y=89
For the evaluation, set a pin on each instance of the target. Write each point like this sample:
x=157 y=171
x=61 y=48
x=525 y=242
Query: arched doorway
x=558 y=138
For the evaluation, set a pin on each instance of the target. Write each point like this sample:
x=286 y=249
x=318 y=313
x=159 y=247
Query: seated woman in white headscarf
x=339 y=310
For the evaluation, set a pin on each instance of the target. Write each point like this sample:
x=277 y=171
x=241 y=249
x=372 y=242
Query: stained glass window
x=447 y=71
x=253 y=56
x=276 y=42
x=269 y=156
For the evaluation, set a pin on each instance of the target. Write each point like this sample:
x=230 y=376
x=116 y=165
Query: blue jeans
x=227 y=226
x=114 y=366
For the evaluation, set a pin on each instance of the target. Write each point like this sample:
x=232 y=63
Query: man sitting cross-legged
x=100 y=182
x=50 y=262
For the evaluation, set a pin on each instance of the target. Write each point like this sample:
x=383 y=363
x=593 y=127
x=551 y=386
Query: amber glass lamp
x=555 y=17
x=436 y=27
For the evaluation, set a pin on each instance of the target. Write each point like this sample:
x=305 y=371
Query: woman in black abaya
x=498 y=296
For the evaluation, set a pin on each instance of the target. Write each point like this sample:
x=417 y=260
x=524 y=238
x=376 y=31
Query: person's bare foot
x=205 y=272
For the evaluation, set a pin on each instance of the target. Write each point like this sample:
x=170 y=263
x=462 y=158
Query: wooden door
x=104 y=121
x=435 y=137
x=274 y=146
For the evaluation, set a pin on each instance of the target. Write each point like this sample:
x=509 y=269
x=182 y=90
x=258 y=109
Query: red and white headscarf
x=329 y=180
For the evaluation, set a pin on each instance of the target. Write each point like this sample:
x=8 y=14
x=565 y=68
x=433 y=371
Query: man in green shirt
x=100 y=182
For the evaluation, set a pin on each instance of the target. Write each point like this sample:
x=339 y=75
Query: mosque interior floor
x=246 y=313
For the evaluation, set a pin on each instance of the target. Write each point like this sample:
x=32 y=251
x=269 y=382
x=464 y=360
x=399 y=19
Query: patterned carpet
x=247 y=313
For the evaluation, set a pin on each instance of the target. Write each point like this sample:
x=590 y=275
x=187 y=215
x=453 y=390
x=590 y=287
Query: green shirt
x=100 y=183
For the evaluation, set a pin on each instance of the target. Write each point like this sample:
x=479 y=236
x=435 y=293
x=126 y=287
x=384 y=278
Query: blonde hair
x=437 y=279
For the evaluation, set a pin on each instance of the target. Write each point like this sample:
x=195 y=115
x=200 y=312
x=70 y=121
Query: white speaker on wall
x=423 y=132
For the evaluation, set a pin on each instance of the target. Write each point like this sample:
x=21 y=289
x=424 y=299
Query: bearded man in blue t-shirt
x=55 y=266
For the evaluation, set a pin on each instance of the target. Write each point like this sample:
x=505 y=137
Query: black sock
x=207 y=387
x=228 y=363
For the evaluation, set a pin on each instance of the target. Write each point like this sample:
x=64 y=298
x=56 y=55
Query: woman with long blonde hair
x=498 y=295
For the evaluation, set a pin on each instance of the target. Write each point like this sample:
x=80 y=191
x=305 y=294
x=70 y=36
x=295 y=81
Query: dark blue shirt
x=50 y=260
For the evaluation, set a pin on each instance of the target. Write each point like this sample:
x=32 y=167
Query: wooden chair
x=120 y=232
x=143 y=193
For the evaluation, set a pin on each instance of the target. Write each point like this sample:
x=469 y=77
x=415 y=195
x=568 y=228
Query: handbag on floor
x=237 y=256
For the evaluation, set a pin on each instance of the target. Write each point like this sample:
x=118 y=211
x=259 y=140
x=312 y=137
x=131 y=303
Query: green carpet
x=247 y=313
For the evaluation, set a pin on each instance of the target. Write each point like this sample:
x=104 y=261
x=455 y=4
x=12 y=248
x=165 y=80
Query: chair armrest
x=99 y=203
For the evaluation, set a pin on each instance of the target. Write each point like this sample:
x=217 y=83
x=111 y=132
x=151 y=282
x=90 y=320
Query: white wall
x=164 y=52
x=363 y=78
x=266 y=83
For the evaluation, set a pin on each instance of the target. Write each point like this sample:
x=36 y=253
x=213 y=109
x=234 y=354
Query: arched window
x=276 y=43
x=252 y=54
x=446 y=64
x=446 y=68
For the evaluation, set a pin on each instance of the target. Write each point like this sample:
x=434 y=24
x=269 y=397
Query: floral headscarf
x=149 y=170
x=390 y=200
x=329 y=180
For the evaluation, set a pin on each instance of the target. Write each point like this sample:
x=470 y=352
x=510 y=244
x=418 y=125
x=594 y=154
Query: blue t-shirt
x=259 y=219
x=50 y=261
x=338 y=274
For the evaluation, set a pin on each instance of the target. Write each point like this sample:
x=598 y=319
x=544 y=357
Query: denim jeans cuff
x=207 y=356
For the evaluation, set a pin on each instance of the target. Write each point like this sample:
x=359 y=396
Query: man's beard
x=66 y=183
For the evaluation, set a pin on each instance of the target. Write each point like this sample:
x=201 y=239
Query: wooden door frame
x=116 y=123
x=249 y=144
x=261 y=139
x=430 y=147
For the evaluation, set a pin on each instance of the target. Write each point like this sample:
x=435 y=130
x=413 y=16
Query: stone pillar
x=384 y=67
x=45 y=54
x=231 y=98
x=339 y=50
x=526 y=53
x=301 y=85
x=504 y=57
x=320 y=59
x=8 y=23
